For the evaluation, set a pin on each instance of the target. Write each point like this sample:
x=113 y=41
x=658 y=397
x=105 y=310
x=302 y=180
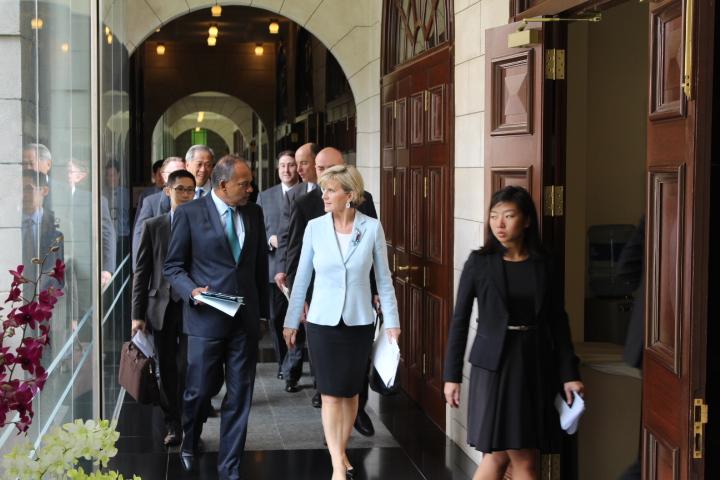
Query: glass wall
x=71 y=189
x=114 y=115
x=55 y=173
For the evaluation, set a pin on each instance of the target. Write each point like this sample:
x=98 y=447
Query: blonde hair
x=349 y=179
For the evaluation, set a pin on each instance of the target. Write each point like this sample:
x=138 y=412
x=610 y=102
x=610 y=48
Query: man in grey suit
x=272 y=201
x=155 y=204
x=156 y=304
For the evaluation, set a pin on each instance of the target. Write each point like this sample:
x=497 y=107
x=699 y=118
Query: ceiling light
x=160 y=49
x=65 y=47
x=197 y=129
x=212 y=41
x=274 y=27
x=109 y=38
x=259 y=50
x=157 y=30
x=216 y=10
x=36 y=23
x=213 y=30
x=201 y=117
x=107 y=30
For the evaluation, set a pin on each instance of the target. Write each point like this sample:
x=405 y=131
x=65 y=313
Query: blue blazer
x=342 y=285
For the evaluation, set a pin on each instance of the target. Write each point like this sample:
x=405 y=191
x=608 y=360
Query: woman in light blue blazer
x=341 y=247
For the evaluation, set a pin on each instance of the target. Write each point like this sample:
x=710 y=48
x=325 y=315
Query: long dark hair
x=519 y=197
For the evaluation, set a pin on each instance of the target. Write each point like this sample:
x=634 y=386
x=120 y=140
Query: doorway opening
x=606 y=150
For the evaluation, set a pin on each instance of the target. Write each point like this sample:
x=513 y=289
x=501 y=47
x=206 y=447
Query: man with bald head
x=218 y=243
x=304 y=209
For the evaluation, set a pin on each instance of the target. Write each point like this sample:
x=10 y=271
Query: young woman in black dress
x=522 y=354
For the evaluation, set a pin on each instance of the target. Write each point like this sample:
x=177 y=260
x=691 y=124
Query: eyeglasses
x=183 y=189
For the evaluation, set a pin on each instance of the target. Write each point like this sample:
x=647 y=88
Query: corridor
x=285 y=439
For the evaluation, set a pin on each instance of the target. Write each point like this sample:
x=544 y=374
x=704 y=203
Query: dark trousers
x=238 y=354
x=278 y=308
x=171 y=347
x=293 y=363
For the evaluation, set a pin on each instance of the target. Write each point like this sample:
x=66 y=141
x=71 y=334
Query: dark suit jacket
x=151 y=290
x=630 y=269
x=153 y=205
x=305 y=208
x=47 y=234
x=483 y=278
x=199 y=255
x=272 y=201
x=143 y=195
x=296 y=191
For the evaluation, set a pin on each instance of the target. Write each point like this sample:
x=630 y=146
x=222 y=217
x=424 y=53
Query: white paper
x=228 y=307
x=286 y=291
x=386 y=358
x=570 y=415
x=144 y=343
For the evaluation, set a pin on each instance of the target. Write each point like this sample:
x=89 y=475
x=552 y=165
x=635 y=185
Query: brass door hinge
x=554 y=201
x=394 y=186
x=425 y=269
x=425 y=181
x=394 y=262
x=424 y=364
x=394 y=109
x=700 y=418
x=555 y=64
x=427 y=99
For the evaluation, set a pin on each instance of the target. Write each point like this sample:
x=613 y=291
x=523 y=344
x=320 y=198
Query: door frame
x=705 y=20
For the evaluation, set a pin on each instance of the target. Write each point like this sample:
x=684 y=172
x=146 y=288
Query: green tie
x=231 y=234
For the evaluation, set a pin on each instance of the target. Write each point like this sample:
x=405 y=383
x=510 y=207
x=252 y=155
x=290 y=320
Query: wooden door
x=676 y=275
x=514 y=127
x=416 y=204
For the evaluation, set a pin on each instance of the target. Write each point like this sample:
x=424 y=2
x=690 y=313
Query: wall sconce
x=274 y=27
x=36 y=23
x=65 y=47
x=216 y=10
x=160 y=49
x=212 y=41
x=109 y=38
x=213 y=30
x=259 y=50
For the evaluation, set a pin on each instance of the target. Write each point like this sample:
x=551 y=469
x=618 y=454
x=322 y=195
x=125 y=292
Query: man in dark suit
x=155 y=204
x=158 y=184
x=39 y=231
x=305 y=161
x=218 y=243
x=304 y=209
x=272 y=201
x=154 y=302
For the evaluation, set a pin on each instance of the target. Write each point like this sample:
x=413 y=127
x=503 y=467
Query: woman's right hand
x=289 y=334
x=452 y=394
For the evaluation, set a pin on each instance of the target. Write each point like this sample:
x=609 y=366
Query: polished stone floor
x=285 y=441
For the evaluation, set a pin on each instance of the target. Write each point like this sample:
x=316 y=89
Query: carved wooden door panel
x=674 y=368
x=513 y=115
x=417 y=207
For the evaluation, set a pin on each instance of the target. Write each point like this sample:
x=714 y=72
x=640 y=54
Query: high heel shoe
x=349 y=473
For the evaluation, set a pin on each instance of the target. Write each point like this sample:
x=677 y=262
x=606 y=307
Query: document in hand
x=144 y=343
x=227 y=304
x=386 y=358
x=570 y=415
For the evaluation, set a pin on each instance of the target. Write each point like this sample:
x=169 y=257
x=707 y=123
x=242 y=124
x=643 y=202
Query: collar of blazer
x=498 y=280
x=214 y=218
x=358 y=233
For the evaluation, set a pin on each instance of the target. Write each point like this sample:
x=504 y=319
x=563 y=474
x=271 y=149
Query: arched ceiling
x=234 y=109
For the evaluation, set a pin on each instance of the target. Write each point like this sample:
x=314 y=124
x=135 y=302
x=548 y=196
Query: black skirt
x=340 y=356
x=512 y=408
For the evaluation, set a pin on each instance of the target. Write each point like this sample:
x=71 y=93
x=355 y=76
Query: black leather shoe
x=280 y=375
x=363 y=424
x=291 y=386
x=317 y=400
x=187 y=460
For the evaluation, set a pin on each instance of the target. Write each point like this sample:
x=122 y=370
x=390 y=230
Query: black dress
x=511 y=408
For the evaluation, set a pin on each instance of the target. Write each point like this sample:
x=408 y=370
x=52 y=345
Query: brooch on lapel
x=356 y=238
